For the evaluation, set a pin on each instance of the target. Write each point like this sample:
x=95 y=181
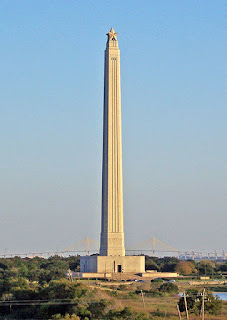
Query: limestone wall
x=112 y=264
x=160 y=275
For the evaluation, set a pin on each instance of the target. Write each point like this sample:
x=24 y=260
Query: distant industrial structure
x=151 y=247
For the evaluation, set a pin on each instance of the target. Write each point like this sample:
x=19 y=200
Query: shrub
x=157 y=280
x=127 y=314
x=97 y=308
x=169 y=288
x=66 y=317
x=158 y=313
x=213 y=305
x=122 y=287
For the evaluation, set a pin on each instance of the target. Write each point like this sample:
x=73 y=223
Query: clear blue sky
x=173 y=116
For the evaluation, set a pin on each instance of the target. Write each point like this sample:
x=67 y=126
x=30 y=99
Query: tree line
x=38 y=288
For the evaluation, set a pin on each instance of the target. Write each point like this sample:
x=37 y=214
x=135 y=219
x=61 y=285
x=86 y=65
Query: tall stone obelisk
x=111 y=258
x=112 y=230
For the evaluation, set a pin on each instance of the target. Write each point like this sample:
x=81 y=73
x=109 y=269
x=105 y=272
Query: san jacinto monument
x=112 y=258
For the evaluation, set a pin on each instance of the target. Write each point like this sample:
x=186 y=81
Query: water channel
x=221 y=295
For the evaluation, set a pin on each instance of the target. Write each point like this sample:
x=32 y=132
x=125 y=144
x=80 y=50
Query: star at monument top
x=112 y=35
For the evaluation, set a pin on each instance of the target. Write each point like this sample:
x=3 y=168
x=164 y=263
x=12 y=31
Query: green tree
x=5 y=286
x=63 y=289
x=23 y=294
x=223 y=267
x=185 y=268
x=81 y=311
x=150 y=264
x=191 y=296
x=168 y=264
x=206 y=267
x=212 y=305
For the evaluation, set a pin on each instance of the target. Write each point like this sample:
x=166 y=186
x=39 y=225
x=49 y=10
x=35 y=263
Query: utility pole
x=203 y=307
x=143 y=298
x=186 y=306
x=70 y=275
x=178 y=312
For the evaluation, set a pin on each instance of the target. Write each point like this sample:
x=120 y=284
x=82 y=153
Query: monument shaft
x=112 y=230
x=111 y=258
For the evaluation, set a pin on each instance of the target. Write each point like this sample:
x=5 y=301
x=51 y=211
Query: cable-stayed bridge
x=151 y=247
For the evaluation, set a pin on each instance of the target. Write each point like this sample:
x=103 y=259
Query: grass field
x=122 y=294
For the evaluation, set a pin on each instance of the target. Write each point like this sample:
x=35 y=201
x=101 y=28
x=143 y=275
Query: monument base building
x=112 y=264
